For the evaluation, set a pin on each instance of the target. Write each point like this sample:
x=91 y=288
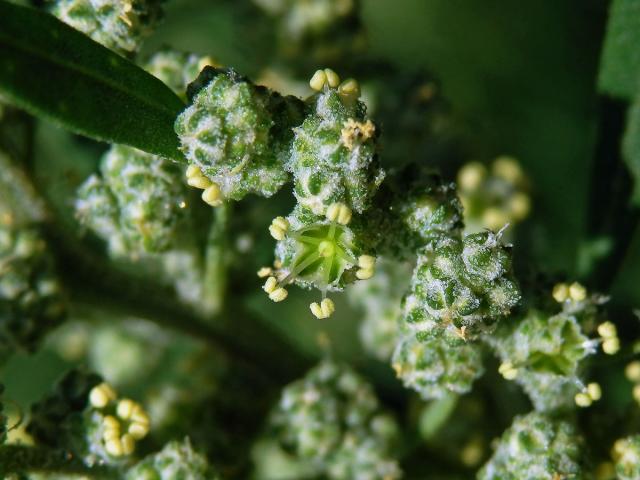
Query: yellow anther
x=507 y=168
x=110 y=423
x=139 y=415
x=324 y=309
x=632 y=371
x=125 y=408
x=339 y=212
x=277 y=263
x=508 y=371
x=212 y=195
x=636 y=393
x=101 y=395
x=278 y=228
x=318 y=80
x=349 y=89
x=109 y=435
x=611 y=346
x=114 y=447
x=594 y=391
x=560 y=292
x=583 y=399
x=619 y=448
x=332 y=78
x=193 y=171
x=520 y=205
x=276 y=293
x=471 y=176
x=577 y=292
x=138 y=430
x=265 y=272
x=607 y=330
x=494 y=218
x=199 y=181
x=367 y=267
x=128 y=444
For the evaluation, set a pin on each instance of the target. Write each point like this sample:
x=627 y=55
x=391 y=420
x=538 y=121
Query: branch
x=20 y=459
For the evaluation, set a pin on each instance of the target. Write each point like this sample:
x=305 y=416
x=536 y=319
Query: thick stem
x=16 y=459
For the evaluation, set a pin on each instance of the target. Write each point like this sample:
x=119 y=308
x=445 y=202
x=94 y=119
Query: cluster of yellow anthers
x=623 y=452
x=349 y=90
x=276 y=279
x=591 y=393
x=474 y=180
x=211 y=194
x=128 y=423
x=609 y=336
x=356 y=132
x=563 y=292
x=632 y=372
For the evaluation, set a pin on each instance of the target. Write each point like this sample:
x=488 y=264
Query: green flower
x=31 y=301
x=137 y=204
x=119 y=25
x=332 y=420
x=236 y=135
x=434 y=368
x=627 y=451
x=536 y=447
x=176 y=461
x=176 y=69
x=461 y=287
x=333 y=156
x=544 y=355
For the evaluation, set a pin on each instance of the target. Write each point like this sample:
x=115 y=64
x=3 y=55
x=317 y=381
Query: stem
x=20 y=459
x=215 y=275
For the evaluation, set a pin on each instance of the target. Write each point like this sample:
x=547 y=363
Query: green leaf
x=54 y=71
x=620 y=63
x=631 y=147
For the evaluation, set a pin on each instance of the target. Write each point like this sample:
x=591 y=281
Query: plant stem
x=215 y=275
x=20 y=459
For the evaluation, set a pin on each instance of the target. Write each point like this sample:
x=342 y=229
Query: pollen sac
x=136 y=202
x=536 y=447
x=119 y=25
x=331 y=420
x=546 y=352
x=31 y=299
x=176 y=460
x=461 y=287
x=237 y=133
x=318 y=253
x=333 y=155
x=433 y=368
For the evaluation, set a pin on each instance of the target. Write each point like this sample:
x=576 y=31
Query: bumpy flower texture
x=136 y=204
x=31 y=301
x=120 y=25
x=235 y=136
x=536 y=447
x=461 y=288
x=332 y=420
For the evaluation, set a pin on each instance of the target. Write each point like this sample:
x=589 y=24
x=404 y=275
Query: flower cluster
x=119 y=25
x=31 y=300
x=331 y=419
x=493 y=198
x=626 y=452
x=177 y=69
x=86 y=416
x=176 y=461
x=137 y=203
x=536 y=447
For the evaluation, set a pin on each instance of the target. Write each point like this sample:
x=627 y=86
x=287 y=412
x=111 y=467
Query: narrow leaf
x=54 y=71
x=631 y=147
x=620 y=63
